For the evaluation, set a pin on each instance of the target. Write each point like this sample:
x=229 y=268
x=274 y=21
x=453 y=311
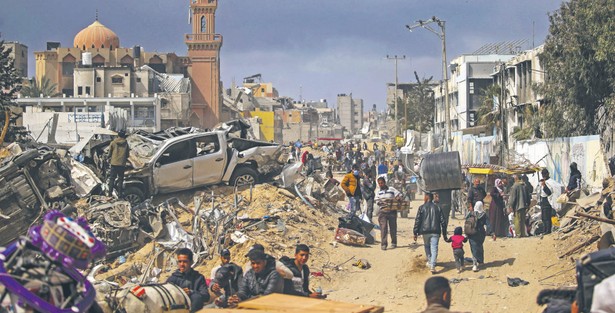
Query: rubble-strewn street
x=367 y=157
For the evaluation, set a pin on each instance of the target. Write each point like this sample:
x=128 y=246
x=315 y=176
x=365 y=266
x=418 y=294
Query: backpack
x=469 y=227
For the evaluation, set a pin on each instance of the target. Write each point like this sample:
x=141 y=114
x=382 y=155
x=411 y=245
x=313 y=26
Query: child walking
x=457 y=241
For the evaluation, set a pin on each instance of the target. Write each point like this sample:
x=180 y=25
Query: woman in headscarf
x=574 y=183
x=478 y=238
x=497 y=215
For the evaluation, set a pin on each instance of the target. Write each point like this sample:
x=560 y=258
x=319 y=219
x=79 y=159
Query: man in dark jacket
x=118 y=152
x=226 y=283
x=300 y=283
x=225 y=279
x=430 y=224
x=192 y=282
x=262 y=279
x=476 y=193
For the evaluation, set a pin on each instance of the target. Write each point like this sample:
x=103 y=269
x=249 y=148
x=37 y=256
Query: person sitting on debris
x=438 y=294
x=225 y=280
x=192 y=282
x=430 y=223
x=225 y=258
x=330 y=179
x=387 y=216
x=262 y=279
x=282 y=269
x=457 y=241
x=352 y=186
x=300 y=283
x=118 y=152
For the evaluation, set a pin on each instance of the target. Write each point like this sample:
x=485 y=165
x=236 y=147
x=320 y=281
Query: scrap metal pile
x=222 y=218
x=35 y=181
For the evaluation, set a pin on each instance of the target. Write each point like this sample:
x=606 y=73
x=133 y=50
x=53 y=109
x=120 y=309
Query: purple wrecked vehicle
x=40 y=272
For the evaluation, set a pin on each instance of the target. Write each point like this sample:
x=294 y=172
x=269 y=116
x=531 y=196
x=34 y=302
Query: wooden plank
x=286 y=303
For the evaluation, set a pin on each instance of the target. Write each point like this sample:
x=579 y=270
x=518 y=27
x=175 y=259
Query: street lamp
x=442 y=35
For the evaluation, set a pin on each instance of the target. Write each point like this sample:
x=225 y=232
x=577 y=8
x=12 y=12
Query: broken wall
x=67 y=129
x=557 y=154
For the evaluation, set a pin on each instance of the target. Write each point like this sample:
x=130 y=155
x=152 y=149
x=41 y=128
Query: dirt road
x=396 y=277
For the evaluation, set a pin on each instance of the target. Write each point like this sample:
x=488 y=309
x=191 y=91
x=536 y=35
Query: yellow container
x=555 y=221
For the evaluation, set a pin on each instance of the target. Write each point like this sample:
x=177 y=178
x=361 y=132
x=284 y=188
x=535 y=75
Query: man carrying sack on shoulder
x=387 y=214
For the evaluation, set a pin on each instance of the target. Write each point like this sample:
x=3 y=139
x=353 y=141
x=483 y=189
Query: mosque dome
x=96 y=35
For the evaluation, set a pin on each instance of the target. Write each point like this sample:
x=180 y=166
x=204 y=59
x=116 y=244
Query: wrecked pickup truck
x=195 y=159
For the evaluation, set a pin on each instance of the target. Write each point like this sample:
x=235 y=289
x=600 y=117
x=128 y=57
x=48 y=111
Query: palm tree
x=487 y=114
x=35 y=89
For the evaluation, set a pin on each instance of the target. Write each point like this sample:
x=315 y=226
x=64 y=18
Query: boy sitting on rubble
x=299 y=284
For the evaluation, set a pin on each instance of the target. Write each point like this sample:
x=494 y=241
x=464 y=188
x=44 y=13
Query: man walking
x=387 y=217
x=368 y=188
x=517 y=202
x=351 y=183
x=476 y=193
x=430 y=224
x=119 y=151
x=547 y=191
x=383 y=169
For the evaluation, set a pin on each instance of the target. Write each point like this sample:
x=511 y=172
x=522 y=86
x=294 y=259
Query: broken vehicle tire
x=134 y=195
x=244 y=176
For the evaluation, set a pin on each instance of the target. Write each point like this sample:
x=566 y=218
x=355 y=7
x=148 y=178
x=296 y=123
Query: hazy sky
x=310 y=48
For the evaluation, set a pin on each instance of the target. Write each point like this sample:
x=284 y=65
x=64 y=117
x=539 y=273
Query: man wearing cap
x=262 y=279
x=192 y=282
x=118 y=152
x=225 y=258
x=282 y=269
x=300 y=283
x=225 y=279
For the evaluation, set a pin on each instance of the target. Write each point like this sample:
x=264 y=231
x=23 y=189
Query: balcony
x=200 y=38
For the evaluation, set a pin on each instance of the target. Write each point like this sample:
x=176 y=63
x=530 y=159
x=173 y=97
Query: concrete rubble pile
x=224 y=217
x=586 y=240
x=586 y=222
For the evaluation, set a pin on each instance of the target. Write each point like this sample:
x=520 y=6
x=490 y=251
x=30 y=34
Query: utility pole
x=396 y=58
x=442 y=35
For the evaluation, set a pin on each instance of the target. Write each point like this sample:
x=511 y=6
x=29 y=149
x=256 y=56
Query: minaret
x=204 y=71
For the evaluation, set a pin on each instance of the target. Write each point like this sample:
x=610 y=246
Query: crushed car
x=184 y=158
x=35 y=181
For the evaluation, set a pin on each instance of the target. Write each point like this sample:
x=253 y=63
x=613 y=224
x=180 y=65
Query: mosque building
x=97 y=66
